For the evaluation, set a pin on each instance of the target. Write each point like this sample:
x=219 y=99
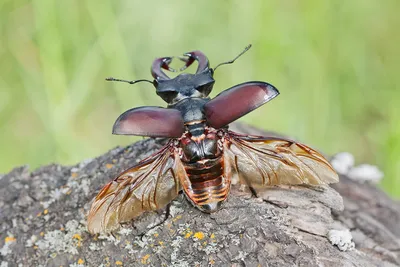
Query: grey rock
x=43 y=222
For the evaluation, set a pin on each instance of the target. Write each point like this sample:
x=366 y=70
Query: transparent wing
x=150 y=185
x=262 y=161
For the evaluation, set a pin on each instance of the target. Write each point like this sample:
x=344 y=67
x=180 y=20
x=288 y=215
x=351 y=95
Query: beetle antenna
x=111 y=79
x=233 y=60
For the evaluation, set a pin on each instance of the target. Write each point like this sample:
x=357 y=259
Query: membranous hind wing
x=150 y=185
x=263 y=161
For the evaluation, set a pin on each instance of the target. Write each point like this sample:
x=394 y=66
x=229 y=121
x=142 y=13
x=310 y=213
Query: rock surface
x=42 y=222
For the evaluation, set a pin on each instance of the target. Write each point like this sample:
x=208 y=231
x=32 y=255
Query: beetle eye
x=168 y=96
x=205 y=89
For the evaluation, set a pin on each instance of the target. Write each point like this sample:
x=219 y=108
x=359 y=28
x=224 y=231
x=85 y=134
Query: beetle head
x=184 y=85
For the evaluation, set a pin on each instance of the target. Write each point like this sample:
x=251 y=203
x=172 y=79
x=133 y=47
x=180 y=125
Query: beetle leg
x=253 y=191
x=167 y=213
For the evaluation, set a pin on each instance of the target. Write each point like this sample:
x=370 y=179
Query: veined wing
x=262 y=161
x=150 y=185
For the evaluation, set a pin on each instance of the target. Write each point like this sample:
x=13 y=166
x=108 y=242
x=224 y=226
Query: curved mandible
x=195 y=55
x=162 y=62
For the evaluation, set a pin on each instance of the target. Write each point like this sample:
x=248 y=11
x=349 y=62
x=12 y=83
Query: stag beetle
x=202 y=157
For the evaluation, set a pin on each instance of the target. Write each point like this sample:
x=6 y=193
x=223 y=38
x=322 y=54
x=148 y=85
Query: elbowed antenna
x=111 y=79
x=233 y=60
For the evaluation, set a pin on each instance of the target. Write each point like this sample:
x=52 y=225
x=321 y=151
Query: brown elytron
x=203 y=158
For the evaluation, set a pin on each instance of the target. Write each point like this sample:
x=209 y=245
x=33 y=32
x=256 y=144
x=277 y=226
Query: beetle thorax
x=192 y=110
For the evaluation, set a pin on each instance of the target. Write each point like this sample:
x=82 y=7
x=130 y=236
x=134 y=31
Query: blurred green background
x=336 y=64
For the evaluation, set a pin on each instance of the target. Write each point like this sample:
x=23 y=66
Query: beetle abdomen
x=208 y=185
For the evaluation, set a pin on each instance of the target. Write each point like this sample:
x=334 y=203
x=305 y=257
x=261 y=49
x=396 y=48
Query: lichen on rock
x=45 y=211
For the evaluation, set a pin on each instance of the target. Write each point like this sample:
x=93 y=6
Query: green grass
x=336 y=64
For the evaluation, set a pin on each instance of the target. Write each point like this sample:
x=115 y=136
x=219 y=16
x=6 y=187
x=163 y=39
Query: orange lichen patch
x=80 y=261
x=178 y=217
x=109 y=165
x=9 y=239
x=155 y=234
x=45 y=211
x=212 y=236
x=74 y=174
x=41 y=234
x=145 y=258
x=188 y=234
x=62 y=229
x=211 y=262
x=79 y=238
x=39 y=214
x=118 y=263
x=69 y=192
x=161 y=243
x=35 y=247
x=199 y=235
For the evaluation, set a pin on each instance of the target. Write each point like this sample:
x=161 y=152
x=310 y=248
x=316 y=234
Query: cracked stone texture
x=42 y=222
